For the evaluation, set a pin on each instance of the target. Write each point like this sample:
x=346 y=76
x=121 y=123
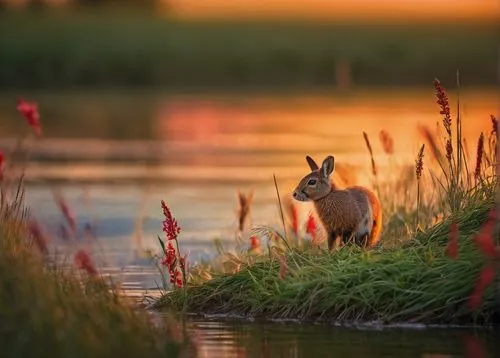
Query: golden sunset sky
x=339 y=9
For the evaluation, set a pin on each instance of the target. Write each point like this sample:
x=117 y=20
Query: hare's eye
x=311 y=182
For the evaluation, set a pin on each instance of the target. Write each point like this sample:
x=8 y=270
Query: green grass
x=410 y=277
x=48 y=311
x=416 y=283
x=41 y=50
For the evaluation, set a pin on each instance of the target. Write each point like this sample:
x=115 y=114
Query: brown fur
x=350 y=213
x=365 y=198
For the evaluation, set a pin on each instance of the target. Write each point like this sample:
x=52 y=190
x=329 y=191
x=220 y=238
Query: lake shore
x=436 y=263
x=416 y=284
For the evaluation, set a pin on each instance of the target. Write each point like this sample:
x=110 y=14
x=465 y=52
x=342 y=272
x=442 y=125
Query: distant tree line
x=34 y=4
x=142 y=3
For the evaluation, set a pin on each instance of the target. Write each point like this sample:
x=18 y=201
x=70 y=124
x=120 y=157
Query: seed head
x=387 y=142
x=419 y=163
x=442 y=101
x=479 y=157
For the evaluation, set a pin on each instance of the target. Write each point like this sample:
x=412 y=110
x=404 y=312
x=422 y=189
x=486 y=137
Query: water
x=227 y=339
x=114 y=156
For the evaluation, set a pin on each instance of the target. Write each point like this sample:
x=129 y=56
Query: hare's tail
x=377 y=220
x=376 y=230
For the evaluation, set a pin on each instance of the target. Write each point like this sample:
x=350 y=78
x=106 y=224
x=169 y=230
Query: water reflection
x=239 y=339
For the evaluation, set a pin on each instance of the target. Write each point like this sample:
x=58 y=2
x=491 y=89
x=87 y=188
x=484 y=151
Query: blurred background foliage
x=109 y=43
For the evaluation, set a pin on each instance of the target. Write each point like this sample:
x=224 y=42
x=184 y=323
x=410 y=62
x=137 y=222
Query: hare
x=354 y=212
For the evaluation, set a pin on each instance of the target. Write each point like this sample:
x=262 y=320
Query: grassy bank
x=432 y=266
x=43 y=50
x=46 y=310
x=69 y=310
x=66 y=314
x=418 y=284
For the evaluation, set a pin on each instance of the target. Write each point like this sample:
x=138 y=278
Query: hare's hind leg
x=362 y=240
x=347 y=236
x=332 y=238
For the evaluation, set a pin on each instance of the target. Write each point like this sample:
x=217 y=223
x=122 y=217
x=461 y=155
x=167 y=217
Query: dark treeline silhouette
x=141 y=3
x=41 y=4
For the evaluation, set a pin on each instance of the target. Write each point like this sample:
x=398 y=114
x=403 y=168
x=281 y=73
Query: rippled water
x=230 y=339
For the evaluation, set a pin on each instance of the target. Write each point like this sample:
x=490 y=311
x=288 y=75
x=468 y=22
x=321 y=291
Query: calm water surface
x=230 y=339
x=114 y=156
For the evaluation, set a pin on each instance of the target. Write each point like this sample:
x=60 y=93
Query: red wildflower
x=485 y=279
x=494 y=124
x=254 y=242
x=176 y=279
x=442 y=101
x=30 y=112
x=387 y=142
x=170 y=257
x=170 y=226
x=484 y=239
x=453 y=241
x=38 y=236
x=311 y=228
x=66 y=211
x=474 y=348
x=84 y=262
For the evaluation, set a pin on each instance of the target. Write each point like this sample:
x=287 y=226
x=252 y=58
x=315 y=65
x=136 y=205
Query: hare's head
x=316 y=184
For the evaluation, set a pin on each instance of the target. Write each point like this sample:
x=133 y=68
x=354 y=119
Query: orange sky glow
x=339 y=9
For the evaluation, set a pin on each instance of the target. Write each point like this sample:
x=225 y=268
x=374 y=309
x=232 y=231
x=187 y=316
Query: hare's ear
x=327 y=166
x=312 y=163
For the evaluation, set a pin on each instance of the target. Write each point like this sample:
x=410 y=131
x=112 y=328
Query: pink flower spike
x=30 y=112
x=170 y=226
x=453 y=242
x=484 y=239
x=485 y=278
x=84 y=262
x=254 y=242
x=474 y=348
x=311 y=228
